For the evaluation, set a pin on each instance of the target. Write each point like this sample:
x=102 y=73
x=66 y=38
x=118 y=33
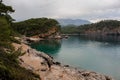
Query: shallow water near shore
x=100 y=54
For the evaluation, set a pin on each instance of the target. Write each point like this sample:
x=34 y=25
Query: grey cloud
x=85 y=9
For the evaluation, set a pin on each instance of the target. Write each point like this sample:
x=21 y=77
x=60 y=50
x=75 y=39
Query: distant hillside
x=106 y=27
x=76 y=22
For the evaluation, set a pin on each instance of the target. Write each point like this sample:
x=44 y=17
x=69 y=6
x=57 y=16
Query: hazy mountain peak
x=76 y=22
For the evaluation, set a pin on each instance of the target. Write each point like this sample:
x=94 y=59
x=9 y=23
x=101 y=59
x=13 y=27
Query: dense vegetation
x=37 y=26
x=106 y=26
x=70 y=29
x=109 y=24
x=9 y=65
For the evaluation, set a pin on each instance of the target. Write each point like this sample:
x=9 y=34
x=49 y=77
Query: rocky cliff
x=104 y=31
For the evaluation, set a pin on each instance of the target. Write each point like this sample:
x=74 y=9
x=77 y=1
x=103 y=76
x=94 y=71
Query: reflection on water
x=110 y=39
x=48 y=46
x=101 y=54
x=106 y=40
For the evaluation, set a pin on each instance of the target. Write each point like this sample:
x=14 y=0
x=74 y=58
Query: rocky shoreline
x=45 y=66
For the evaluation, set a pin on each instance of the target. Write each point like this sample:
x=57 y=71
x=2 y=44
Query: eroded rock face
x=48 y=69
x=94 y=76
x=68 y=73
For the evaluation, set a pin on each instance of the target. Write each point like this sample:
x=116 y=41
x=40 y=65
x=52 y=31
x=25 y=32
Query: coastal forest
x=36 y=26
x=10 y=68
x=109 y=27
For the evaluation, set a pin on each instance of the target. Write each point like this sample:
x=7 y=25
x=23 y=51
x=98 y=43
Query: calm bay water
x=100 y=54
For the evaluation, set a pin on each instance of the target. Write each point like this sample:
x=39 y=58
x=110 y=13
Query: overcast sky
x=74 y=9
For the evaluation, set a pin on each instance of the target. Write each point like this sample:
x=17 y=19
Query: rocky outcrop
x=51 y=32
x=48 y=69
x=104 y=31
x=69 y=73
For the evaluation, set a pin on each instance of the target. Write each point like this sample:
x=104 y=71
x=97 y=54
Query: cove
x=100 y=54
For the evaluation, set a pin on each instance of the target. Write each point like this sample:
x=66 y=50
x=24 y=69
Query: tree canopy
x=36 y=26
x=5 y=10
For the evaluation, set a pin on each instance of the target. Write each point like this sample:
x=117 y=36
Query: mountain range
x=77 y=22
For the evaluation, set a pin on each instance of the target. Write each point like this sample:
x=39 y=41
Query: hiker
x=28 y=51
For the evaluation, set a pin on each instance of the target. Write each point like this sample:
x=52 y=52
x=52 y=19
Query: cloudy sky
x=92 y=10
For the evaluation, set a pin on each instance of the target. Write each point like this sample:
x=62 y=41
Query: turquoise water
x=101 y=54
